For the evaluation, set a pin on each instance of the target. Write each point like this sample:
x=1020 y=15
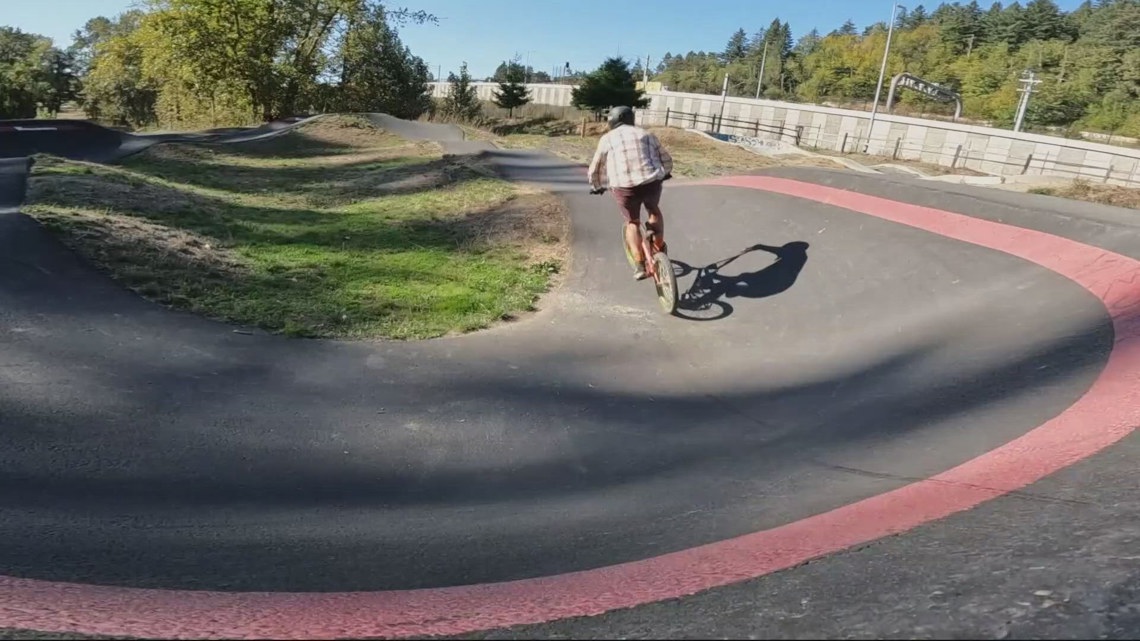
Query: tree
x=848 y=29
x=808 y=43
x=914 y=19
x=462 y=101
x=274 y=49
x=1044 y=21
x=117 y=87
x=34 y=75
x=512 y=91
x=58 y=82
x=737 y=46
x=378 y=72
x=610 y=85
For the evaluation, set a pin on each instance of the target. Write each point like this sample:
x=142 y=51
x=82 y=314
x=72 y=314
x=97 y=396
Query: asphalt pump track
x=852 y=357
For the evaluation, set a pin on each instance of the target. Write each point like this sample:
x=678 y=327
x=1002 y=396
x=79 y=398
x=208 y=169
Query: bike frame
x=665 y=284
x=647 y=251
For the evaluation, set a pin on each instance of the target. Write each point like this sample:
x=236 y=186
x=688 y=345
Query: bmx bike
x=658 y=266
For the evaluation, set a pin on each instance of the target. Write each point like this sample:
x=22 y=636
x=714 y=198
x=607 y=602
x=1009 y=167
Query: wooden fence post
x=1028 y=159
x=895 y=154
x=666 y=116
x=957 y=152
x=843 y=145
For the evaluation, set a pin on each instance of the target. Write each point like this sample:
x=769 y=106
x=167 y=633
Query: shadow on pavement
x=710 y=286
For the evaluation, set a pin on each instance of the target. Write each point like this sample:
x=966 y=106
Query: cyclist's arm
x=598 y=165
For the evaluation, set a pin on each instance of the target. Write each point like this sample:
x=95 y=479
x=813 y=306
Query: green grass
x=385 y=239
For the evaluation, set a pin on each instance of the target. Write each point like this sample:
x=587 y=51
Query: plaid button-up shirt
x=630 y=156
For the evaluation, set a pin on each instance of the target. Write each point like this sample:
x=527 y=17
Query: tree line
x=197 y=62
x=191 y=62
x=1088 y=61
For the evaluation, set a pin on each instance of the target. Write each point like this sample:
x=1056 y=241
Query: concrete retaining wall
x=540 y=94
x=985 y=149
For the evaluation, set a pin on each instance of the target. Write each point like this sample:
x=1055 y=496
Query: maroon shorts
x=630 y=199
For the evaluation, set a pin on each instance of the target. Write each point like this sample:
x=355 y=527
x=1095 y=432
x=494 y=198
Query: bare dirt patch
x=533 y=222
x=141 y=253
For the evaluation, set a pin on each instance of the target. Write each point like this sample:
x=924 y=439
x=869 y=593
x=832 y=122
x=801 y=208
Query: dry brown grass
x=534 y=222
x=694 y=156
x=135 y=249
x=1102 y=194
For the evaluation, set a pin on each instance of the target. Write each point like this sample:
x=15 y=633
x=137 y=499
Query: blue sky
x=551 y=32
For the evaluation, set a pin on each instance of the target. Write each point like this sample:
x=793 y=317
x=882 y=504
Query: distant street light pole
x=882 y=72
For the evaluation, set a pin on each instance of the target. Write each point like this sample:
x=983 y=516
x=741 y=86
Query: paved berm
x=822 y=356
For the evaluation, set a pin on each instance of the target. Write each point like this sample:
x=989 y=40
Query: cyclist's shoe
x=639 y=273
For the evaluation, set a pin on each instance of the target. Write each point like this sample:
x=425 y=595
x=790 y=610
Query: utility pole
x=763 y=59
x=970 y=46
x=1028 y=79
x=645 y=74
x=882 y=71
x=723 y=99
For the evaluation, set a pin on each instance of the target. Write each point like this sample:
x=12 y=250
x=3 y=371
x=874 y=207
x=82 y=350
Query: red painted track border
x=1106 y=413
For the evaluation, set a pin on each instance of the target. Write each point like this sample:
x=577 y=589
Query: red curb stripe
x=1109 y=411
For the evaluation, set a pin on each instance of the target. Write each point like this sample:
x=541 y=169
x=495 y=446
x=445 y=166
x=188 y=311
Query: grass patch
x=373 y=237
x=1102 y=194
x=694 y=156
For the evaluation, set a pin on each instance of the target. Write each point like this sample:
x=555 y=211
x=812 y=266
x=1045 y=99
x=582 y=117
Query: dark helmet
x=620 y=116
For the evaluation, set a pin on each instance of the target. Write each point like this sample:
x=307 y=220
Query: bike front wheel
x=666 y=282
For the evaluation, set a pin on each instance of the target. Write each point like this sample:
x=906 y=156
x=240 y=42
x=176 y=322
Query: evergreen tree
x=610 y=85
x=737 y=46
x=1044 y=21
x=512 y=91
x=462 y=100
x=808 y=43
x=915 y=18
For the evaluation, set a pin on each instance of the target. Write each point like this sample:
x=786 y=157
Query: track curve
x=597 y=443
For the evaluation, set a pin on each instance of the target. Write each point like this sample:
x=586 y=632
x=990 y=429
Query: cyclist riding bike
x=635 y=165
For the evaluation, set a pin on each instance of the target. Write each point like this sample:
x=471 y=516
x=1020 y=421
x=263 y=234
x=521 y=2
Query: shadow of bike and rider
x=704 y=300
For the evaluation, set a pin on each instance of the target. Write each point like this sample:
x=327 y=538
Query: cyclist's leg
x=630 y=205
x=656 y=219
